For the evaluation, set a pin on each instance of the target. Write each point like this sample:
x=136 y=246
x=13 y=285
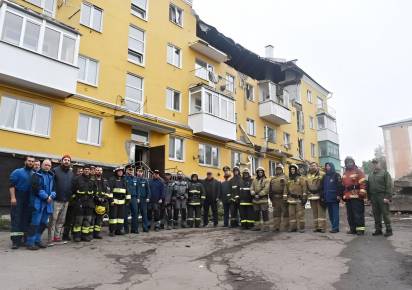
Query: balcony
x=206 y=49
x=327 y=130
x=329 y=110
x=212 y=114
x=328 y=135
x=274 y=104
x=42 y=57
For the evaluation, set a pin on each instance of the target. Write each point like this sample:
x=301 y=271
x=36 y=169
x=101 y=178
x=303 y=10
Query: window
x=136 y=45
x=321 y=122
x=272 y=167
x=202 y=69
x=176 y=15
x=301 y=148
x=174 y=55
x=25 y=117
x=311 y=122
x=25 y=31
x=286 y=140
x=91 y=16
x=320 y=103
x=212 y=103
x=230 y=83
x=236 y=158
x=89 y=130
x=254 y=164
x=251 y=129
x=300 y=121
x=309 y=94
x=139 y=8
x=249 y=92
x=88 y=70
x=270 y=134
x=208 y=155
x=328 y=149
x=176 y=148
x=47 y=5
x=312 y=150
x=134 y=93
x=140 y=136
x=173 y=100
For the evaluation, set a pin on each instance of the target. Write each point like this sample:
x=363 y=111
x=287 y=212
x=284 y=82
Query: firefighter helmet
x=100 y=210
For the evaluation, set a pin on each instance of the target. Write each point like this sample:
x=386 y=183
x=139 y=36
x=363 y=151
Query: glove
x=53 y=195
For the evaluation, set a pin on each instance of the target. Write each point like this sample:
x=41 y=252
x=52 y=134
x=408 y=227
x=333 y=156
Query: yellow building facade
x=117 y=82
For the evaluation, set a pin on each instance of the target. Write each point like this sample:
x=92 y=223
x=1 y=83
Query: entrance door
x=157 y=158
x=141 y=154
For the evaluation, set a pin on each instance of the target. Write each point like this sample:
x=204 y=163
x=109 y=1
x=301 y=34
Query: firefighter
x=131 y=208
x=260 y=191
x=314 y=183
x=157 y=188
x=225 y=195
x=247 y=213
x=83 y=206
x=235 y=184
x=180 y=200
x=295 y=194
x=196 y=195
x=119 y=197
x=169 y=198
x=212 y=193
x=354 y=194
x=101 y=195
x=279 y=204
x=143 y=198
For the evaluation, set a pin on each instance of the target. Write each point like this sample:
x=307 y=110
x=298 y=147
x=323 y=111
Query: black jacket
x=212 y=189
x=63 y=179
x=225 y=191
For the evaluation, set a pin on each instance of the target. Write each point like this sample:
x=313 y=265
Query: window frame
x=43 y=6
x=174 y=158
x=309 y=96
x=313 y=150
x=88 y=60
x=143 y=63
x=253 y=92
x=311 y=122
x=88 y=130
x=33 y=121
x=272 y=167
x=168 y=89
x=211 y=156
x=177 y=8
x=208 y=68
x=266 y=128
x=286 y=140
x=251 y=121
x=146 y=18
x=233 y=161
x=140 y=112
x=228 y=83
x=91 y=20
x=174 y=47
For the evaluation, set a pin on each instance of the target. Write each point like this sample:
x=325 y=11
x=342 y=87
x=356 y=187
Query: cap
x=209 y=173
x=118 y=169
x=226 y=168
x=246 y=170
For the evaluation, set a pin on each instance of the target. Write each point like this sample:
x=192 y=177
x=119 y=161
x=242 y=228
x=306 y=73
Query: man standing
x=225 y=195
x=295 y=194
x=42 y=198
x=131 y=208
x=169 y=199
x=101 y=195
x=332 y=194
x=354 y=194
x=143 y=199
x=314 y=183
x=83 y=189
x=260 y=193
x=380 y=194
x=196 y=194
x=212 y=193
x=247 y=214
x=235 y=185
x=119 y=198
x=157 y=199
x=20 y=188
x=279 y=204
x=180 y=200
x=63 y=178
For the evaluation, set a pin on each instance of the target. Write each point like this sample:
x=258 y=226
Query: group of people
x=72 y=206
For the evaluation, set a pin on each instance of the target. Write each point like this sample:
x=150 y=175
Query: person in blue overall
x=132 y=207
x=143 y=197
x=42 y=197
x=20 y=187
x=332 y=195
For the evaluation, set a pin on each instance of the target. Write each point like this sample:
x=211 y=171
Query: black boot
x=377 y=233
x=388 y=232
x=97 y=235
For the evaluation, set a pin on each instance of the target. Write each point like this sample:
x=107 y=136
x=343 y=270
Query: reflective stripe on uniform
x=360 y=228
x=97 y=228
x=194 y=203
x=128 y=196
x=190 y=219
x=90 y=192
x=194 y=190
x=246 y=203
x=203 y=197
x=353 y=196
x=198 y=219
x=77 y=229
x=80 y=192
x=85 y=230
x=119 y=201
x=110 y=195
x=119 y=190
x=112 y=221
x=120 y=221
x=16 y=234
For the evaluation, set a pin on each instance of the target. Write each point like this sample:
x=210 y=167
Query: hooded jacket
x=332 y=185
x=354 y=183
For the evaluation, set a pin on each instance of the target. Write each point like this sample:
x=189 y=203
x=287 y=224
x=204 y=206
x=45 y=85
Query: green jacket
x=380 y=185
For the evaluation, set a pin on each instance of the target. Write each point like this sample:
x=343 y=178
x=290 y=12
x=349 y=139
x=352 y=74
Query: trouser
x=20 y=217
x=168 y=215
x=143 y=211
x=213 y=205
x=381 y=209
x=57 y=219
x=97 y=222
x=247 y=216
x=226 y=211
x=39 y=221
x=116 y=217
x=69 y=220
x=333 y=211
x=280 y=214
x=234 y=214
x=296 y=215
x=155 y=214
x=261 y=213
x=180 y=206
x=319 y=215
x=133 y=209
x=355 y=208
x=193 y=215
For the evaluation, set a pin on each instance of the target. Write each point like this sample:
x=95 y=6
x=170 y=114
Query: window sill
x=91 y=28
x=173 y=110
x=86 y=83
x=90 y=144
x=141 y=18
x=137 y=63
x=209 y=166
x=175 y=66
x=177 y=24
x=176 y=160
x=24 y=132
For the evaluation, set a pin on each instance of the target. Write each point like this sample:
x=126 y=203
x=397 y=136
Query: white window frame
x=311 y=122
x=177 y=9
x=140 y=111
x=146 y=12
x=211 y=156
x=266 y=134
x=173 y=63
x=230 y=86
x=319 y=100
x=272 y=167
x=88 y=142
x=43 y=25
x=90 y=24
x=167 y=99
x=253 y=92
x=174 y=158
x=251 y=130
x=199 y=67
x=43 y=6
x=135 y=51
x=88 y=60
x=309 y=96
x=254 y=164
x=33 y=121
x=286 y=140
x=313 y=150
x=300 y=121
x=236 y=156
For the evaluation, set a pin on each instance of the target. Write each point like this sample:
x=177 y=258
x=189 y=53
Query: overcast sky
x=358 y=49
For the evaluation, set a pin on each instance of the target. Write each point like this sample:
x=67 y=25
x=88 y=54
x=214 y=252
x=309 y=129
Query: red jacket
x=354 y=184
